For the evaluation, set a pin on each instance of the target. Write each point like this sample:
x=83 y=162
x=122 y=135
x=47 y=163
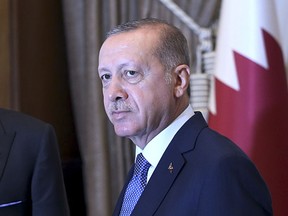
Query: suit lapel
x=163 y=177
x=167 y=170
x=169 y=167
x=6 y=142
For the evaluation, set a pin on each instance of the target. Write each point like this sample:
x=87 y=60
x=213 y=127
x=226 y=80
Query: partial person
x=188 y=169
x=31 y=179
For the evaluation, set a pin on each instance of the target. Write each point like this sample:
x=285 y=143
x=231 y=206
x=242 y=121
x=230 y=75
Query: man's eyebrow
x=120 y=67
x=103 y=69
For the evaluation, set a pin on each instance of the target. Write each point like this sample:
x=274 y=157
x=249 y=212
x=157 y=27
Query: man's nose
x=116 y=90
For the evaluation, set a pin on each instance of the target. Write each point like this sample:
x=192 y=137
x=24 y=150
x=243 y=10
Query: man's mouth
x=119 y=114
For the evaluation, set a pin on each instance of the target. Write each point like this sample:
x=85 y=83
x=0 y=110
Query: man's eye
x=133 y=77
x=105 y=77
x=130 y=73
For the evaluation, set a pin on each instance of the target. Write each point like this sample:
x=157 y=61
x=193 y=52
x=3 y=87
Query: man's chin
x=122 y=132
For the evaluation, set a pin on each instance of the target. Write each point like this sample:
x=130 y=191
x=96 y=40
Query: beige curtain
x=107 y=158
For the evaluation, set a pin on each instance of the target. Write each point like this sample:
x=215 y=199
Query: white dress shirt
x=154 y=150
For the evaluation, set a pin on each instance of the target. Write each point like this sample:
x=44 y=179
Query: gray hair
x=172 y=48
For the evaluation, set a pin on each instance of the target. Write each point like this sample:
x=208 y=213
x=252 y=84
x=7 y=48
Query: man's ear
x=182 y=75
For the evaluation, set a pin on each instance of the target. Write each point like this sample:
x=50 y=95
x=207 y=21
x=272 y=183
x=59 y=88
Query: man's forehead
x=136 y=34
x=129 y=42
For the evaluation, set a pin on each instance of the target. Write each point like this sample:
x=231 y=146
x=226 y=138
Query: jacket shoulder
x=12 y=121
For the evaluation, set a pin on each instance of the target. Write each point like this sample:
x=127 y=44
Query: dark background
x=38 y=81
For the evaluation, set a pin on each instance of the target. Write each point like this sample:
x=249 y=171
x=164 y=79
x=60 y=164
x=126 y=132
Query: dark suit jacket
x=211 y=176
x=31 y=180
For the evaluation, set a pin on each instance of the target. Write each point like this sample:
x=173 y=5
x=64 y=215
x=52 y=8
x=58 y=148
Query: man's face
x=137 y=98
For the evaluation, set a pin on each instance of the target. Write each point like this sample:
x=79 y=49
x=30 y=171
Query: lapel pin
x=170 y=167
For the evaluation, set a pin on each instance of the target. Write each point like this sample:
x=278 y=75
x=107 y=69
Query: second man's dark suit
x=31 y=180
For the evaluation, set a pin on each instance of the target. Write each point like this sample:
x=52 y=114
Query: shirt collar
x=154 y=150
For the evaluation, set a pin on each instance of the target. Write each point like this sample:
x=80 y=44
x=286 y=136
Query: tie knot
x=141 y=165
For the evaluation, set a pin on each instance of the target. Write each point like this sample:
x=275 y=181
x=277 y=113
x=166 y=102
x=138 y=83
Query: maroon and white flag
x=249 y=96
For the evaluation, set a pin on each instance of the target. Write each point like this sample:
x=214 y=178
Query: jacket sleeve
x=234 y=188
x=47 y=189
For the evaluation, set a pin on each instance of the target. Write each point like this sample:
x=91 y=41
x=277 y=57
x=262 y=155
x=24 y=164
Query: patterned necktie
x=135 y=186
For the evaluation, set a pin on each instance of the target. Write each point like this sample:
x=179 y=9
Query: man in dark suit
x=193 y=170
x=31 y=180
